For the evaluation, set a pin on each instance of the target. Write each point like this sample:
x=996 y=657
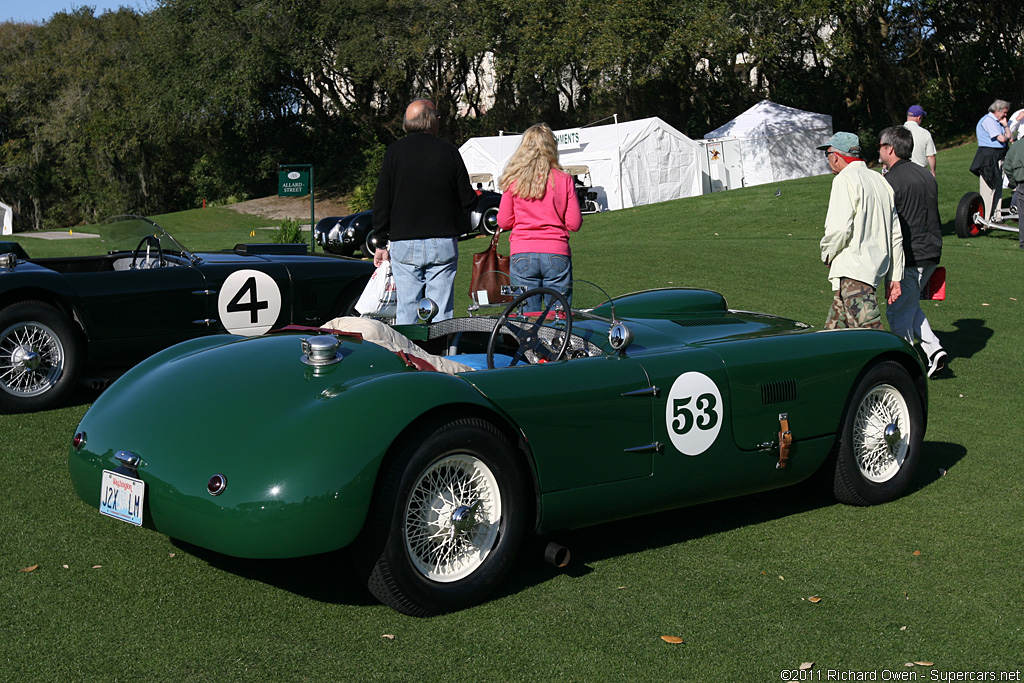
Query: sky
x=40 y=11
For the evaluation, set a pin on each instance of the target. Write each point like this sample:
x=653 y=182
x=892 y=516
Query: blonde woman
x=539 y=206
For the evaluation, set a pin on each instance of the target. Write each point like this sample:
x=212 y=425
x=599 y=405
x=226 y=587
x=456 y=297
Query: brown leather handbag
x=490 y=272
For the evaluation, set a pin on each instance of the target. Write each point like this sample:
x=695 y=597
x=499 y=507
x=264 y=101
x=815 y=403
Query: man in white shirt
x=924 y=146
x=863 y=243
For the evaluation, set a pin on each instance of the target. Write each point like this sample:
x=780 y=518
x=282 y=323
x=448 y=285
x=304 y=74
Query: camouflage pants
x=855 y=305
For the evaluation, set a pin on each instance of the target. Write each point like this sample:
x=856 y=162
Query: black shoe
x=937 y=363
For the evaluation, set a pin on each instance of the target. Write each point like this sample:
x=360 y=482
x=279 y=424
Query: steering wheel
x=148 y=239
x=526 y=331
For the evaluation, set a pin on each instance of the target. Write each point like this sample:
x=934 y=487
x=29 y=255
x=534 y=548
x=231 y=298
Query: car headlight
x=325 y=237
x=349 y=235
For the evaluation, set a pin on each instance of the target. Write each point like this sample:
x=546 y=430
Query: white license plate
x=121 y=497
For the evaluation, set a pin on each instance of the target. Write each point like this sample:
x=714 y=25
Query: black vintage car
x=64 y=319
x=343 y=235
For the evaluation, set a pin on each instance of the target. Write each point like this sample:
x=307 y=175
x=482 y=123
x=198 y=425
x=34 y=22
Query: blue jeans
x=424 y=268
x=533 y=269
x=906 y=318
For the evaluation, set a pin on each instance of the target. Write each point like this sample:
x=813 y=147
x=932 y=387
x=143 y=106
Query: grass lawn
x=935 y=576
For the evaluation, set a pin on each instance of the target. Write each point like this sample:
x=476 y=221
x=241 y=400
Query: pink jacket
x=542 y=225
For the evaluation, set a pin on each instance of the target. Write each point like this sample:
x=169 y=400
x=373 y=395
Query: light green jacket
x=863 y=240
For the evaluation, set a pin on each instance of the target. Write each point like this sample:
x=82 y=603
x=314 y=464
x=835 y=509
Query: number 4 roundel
x=249 y=303
x=693 y=413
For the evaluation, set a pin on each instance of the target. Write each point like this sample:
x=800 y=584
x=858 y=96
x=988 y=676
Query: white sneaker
x=937 y=363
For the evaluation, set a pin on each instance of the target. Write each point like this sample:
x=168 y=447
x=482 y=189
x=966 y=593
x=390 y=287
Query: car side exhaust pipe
x=556 y=555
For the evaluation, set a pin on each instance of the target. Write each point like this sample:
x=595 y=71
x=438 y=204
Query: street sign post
x=296 y=183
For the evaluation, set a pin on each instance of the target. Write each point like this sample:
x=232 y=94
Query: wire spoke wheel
x=880 y=437
x=31 y=359
x=880 y=430
x=452 y=518
x=451 y=512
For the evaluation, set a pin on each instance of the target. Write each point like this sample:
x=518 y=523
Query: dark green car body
x=90 y=314
x=690 y=411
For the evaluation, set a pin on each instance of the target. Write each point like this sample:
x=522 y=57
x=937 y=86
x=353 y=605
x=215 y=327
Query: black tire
x=417 y=568
x=39 y=356
x=488 y=221
x=870 y=469
x=971 y=204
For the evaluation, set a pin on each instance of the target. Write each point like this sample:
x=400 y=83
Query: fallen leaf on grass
x=815 y=599
x=31 y=569
x=806 y=666
x=388 y=636
x=781 y=577
x=916 y=553
x=65 y=566
x=672 y=639
x=925 y=663
x=903 y=628
x=97 y=566
x=942 y=472
x=170 y=554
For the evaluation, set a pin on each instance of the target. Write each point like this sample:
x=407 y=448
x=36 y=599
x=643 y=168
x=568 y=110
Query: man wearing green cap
x=863 y=243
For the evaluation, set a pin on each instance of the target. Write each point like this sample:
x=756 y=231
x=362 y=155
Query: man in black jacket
x=422 y=191
x=917 y=204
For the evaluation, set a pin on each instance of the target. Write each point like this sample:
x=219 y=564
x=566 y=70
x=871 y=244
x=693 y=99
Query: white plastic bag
x=379 y=298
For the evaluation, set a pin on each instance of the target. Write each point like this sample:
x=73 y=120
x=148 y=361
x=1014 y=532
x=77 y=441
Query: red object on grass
x=935 y=290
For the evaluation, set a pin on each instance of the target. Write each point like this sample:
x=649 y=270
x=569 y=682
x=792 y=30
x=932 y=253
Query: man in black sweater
x=917 y=204
x=421 y=193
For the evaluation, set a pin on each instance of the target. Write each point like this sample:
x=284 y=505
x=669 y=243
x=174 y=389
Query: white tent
x=631 y=163
x=8 y=219
x=778 y=142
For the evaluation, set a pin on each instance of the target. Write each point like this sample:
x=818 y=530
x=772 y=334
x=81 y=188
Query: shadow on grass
x=669 y=528
x=970 y=337
x=331 y=578
x=328 y=577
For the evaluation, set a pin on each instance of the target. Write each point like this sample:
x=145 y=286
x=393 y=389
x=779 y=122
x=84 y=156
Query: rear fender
x=412 y=400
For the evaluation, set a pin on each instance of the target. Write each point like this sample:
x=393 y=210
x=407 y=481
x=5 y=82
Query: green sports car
x=435 y=449
x=65 y=319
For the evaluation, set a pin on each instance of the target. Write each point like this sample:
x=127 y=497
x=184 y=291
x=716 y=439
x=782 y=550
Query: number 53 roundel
x=693 y=413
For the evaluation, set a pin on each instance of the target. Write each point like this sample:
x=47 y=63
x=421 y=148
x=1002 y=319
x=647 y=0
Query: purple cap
x=917 y=110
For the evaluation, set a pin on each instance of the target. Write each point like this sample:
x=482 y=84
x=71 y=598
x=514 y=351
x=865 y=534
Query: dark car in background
x=64 y=319
x=344 y=235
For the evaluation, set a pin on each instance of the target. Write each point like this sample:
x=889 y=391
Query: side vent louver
x=781 y=391
x=309 y=302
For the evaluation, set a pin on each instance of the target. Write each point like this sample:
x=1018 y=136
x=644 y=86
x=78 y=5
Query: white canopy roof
x=631 y=163
x=8 y=219
x=778 y=142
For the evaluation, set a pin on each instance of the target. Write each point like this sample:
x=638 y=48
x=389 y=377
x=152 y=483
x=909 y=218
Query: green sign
x=292 y=183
